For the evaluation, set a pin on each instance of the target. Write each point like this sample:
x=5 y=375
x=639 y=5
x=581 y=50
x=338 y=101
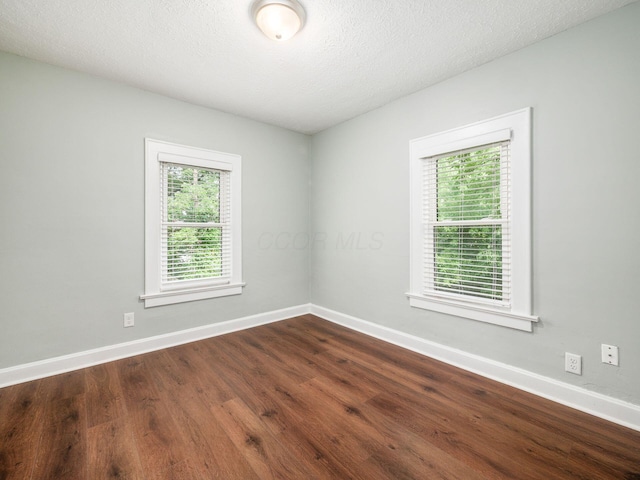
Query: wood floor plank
x=260 y=361
x=112 y=452
x=326 y=366
x=476 y=407
x=180 y=471
x=64 y=385
x=416 y=375
x=298 y=399
x=64 y=438
x=153 y=427
x=320 y=456
x=203 y=374
x=257 y=347
x=103 y=395
x=68 y=463
x=210 y=450
x=393 y=449
x=268 y=457
x=21 y=425
x=434 y=427
x=583 y=429
x=583 y=460
x=246 y=381
x=164 y=372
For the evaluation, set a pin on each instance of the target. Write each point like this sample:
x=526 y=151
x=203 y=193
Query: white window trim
x=157 y=151
x=515 y=126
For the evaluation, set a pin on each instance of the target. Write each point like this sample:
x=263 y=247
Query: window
x=192 y=224
x=470 y=221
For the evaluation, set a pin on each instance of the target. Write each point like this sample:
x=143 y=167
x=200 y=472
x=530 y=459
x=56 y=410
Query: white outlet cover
x=573 y=363
x=128 y=319
x=610 y=354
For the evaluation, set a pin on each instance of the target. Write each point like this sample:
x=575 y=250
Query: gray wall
x=584 y=87
x=72 y=210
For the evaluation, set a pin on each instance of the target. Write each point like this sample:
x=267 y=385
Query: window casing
x=471 y=221
x=193 y=248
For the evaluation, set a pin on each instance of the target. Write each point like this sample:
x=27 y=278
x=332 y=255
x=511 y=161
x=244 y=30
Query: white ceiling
x=351 y=56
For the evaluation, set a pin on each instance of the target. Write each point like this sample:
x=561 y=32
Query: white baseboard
x=88 y=358
x=608 y=408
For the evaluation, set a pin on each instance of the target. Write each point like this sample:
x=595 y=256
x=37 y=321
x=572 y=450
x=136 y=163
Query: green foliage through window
x=468 y=227
x=469 y=260
x=192 y=223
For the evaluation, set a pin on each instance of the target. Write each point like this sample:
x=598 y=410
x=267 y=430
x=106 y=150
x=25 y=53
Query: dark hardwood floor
x=299 y=399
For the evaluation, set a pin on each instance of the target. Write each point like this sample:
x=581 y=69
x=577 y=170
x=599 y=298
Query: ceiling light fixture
x=278 y=19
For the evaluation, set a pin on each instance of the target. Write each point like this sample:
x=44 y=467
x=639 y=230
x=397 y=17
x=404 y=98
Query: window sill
x=474 y=312
x=190 y=295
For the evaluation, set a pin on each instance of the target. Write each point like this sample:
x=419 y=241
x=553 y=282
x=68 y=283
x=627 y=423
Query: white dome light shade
x=279 y=19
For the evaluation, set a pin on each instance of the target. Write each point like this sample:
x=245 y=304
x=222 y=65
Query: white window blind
x=466 y=224
x=195 y=223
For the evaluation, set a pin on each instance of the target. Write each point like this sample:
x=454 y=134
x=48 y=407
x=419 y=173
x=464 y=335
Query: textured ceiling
x=351 y=56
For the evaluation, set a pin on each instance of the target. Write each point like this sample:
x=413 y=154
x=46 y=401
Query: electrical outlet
x=128 y=319
x=610 y=354
x=573 y=363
